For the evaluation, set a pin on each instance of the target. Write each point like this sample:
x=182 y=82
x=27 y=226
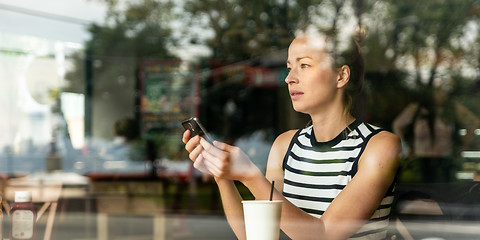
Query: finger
x=211 y=148
x=206 y=145
x=195 y=152
x=192 y=143
x=211 y=166
x=197 y=162
x=201 y=164
x=213 y=160
x=223 y=146
x=186 y=136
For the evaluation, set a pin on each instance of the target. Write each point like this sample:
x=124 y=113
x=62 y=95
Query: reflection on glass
x=71 y=72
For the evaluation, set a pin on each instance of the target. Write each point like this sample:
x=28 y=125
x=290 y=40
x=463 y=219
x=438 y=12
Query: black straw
x=271 y=190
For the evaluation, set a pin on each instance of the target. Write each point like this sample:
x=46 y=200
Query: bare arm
x=376 y=172
x=275 y=159
x=232 y=206
x=231 y=199
x=404 y=119
x=377 y=169
x=294 y=222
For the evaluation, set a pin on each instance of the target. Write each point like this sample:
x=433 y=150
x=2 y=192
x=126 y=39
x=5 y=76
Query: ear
x=343 y=76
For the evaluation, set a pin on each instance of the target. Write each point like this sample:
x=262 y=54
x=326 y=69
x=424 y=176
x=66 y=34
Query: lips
x=294 y=94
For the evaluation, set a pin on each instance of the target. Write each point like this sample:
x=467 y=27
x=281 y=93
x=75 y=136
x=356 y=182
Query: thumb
x=222 y=146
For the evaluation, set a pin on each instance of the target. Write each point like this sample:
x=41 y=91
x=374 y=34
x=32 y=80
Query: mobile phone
x=196 y=128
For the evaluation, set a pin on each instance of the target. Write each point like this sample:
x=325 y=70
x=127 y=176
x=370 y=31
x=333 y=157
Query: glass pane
x=94 y=92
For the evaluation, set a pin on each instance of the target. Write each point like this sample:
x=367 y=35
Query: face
x=312 y=79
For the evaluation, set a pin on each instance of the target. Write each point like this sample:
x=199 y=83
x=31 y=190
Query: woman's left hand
x=228 y=162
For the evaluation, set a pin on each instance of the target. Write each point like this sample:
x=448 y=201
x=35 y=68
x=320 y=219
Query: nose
x=291 y=77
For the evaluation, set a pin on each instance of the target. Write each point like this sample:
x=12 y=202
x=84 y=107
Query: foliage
x=412 y=47
x=245 y=29
x=409 y=46
x=129 y=36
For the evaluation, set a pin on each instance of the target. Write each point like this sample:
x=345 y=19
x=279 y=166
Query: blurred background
x=93 y=93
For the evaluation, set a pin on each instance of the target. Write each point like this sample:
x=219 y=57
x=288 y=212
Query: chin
x=300 y=109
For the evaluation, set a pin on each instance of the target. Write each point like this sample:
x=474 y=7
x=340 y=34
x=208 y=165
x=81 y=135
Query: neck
x=327 y=126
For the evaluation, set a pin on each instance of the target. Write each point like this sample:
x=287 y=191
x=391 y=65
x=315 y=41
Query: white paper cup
x=262 y=219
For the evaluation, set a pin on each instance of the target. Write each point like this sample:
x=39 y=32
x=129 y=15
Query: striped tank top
x=316 y=172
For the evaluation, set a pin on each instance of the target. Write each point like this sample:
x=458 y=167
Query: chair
x=414 y=205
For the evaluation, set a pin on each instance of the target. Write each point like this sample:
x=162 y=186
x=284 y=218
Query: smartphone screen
x=196 y=128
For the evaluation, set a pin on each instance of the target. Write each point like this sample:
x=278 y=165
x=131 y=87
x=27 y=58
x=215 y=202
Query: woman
x=429 y=128
x=336 y=176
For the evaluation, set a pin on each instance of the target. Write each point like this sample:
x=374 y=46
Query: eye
x=289 y=69
x=304 y=65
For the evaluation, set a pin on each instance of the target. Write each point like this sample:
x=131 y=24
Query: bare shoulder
x=280 y=146
x=385 y=141
x=382 y=152
x=276 y=156
x=284 y=138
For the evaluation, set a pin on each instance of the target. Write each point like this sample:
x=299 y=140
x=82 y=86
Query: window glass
x=94 y=92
